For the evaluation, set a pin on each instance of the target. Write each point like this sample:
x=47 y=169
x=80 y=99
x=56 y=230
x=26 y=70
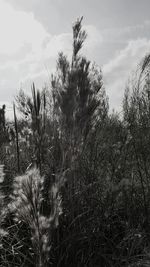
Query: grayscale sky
x=32 y=32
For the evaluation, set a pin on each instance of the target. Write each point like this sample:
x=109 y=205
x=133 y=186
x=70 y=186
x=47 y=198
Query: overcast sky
x=32 y=32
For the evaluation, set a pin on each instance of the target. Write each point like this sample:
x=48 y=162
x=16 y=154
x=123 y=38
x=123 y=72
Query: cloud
x=121 y=35
x=18 y=28
x=117 y=71
x=25 y=48
x=61 y=42
x=94 y=36
x=93 y=42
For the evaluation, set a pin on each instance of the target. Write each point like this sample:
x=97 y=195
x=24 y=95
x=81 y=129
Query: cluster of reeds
x=26 y=208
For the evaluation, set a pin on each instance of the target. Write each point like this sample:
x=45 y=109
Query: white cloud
x=25 y=50
x=61 y=42
x=18 y=28
x=93 y=42
x=116 y=71
x=94 y=36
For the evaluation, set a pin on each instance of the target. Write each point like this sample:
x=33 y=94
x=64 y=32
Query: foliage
x=74 y=178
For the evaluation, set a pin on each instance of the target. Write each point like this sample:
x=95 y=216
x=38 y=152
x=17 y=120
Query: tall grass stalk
x=27 y=207
x=17 y=139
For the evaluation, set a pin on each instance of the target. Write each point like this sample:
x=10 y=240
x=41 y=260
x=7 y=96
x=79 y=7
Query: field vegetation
x=75 y=177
